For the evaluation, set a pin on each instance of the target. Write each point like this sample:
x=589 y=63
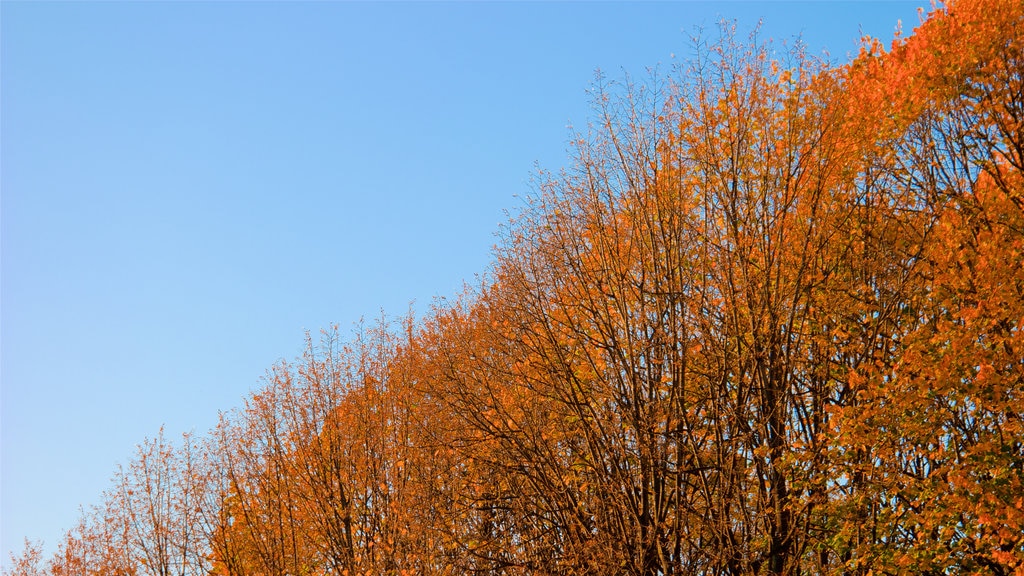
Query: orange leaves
x=771 y=321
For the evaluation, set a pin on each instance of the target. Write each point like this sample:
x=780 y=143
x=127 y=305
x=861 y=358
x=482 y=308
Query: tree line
x=768 y=321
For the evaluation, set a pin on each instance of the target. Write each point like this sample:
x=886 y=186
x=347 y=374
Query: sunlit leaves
x=768 y=321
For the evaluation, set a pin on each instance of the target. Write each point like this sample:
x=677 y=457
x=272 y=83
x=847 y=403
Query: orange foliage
x=768 y=322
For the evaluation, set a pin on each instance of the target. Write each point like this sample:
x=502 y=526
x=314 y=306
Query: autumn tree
x=652 y=383
x=29 y=563
x=321 y=467
x=942 y=422
x=156 y=503
x=768 y=321
x=645 y=365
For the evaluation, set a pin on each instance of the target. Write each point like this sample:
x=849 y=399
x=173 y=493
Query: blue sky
x=188 y=187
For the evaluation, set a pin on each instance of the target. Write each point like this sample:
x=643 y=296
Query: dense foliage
x=768 y=322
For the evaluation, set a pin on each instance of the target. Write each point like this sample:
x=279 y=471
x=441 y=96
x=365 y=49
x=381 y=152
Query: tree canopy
x=767 y=321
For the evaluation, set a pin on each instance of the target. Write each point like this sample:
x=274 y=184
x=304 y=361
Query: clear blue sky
x=188 y=187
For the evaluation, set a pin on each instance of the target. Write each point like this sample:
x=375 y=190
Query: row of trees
x=769 y=322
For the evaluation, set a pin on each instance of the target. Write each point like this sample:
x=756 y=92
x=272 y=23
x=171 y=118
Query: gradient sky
x=188 y=187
